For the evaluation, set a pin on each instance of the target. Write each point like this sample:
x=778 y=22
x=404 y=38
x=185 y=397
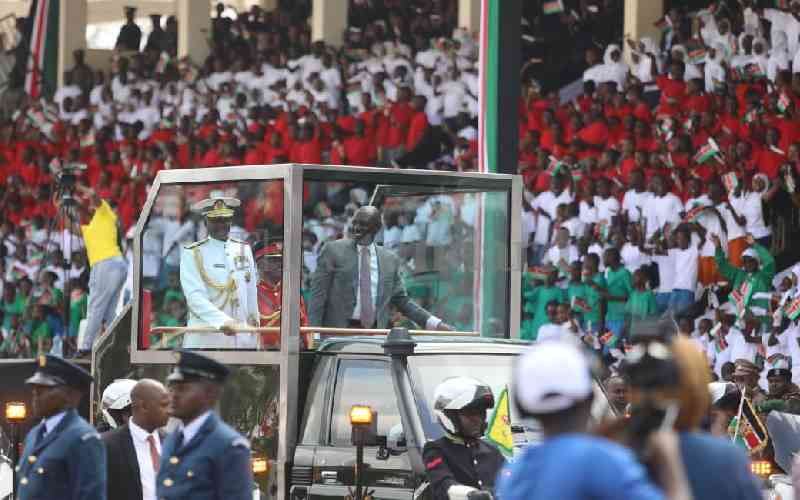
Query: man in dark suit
x=356 y=281
x=204 y=459
x=130 y=35
x=63 y=456
x=134 y=449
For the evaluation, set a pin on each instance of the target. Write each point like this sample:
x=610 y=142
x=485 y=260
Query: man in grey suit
x=356 y=281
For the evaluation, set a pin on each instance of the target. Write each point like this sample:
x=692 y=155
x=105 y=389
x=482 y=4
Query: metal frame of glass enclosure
x=294 y=177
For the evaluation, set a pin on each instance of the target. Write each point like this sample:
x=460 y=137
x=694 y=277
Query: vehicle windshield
x=428 y=371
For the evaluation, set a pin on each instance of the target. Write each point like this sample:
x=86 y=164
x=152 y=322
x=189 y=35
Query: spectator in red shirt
x=356 y=149
x=422 y=145
x=308 y=148
x=399 y=117
x=275 y=152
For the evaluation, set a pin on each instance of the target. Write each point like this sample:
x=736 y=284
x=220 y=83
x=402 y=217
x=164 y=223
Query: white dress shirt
x=433 y=321
x=147 y=473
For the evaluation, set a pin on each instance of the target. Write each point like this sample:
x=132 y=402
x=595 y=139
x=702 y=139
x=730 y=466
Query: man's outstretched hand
x=444 y=327
x=231 y=328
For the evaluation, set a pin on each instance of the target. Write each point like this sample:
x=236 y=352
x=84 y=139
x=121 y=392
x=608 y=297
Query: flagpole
x=738 y=418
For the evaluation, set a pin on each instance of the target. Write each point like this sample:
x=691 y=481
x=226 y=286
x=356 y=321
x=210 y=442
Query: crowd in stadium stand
x=664 y=188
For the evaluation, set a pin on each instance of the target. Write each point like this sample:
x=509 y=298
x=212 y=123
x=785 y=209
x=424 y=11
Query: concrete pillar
x=469 y=15
x=328 y=21
x=71 y=33
x=639 y=18
x=194 y=29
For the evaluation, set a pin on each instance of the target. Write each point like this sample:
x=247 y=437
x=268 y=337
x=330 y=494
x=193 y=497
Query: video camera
x=66 y=179
x=652 y=371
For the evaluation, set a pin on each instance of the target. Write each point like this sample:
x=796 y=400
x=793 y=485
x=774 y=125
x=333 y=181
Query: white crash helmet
x=459 y=393
x=117 y=396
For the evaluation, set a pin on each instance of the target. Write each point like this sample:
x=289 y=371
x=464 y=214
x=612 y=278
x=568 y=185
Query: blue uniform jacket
x=69 y=463
x=214 y=465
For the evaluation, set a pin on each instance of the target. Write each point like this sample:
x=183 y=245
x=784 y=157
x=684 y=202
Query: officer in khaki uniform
x=64 y=458
x=218 y=277
x=204 y=459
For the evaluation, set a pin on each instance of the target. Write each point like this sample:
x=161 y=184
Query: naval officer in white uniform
x=218 y=277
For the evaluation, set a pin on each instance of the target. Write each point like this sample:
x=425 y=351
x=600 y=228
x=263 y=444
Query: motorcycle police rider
x=460 y=465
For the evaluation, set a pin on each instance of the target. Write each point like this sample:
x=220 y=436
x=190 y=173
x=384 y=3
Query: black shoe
x=82 y=355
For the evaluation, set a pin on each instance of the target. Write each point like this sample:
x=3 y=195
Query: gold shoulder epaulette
x=196 y=244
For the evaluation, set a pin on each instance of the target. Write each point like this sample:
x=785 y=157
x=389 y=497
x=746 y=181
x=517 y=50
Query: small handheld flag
x=499 y=430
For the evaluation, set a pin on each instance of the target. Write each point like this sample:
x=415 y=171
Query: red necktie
x=154 y=456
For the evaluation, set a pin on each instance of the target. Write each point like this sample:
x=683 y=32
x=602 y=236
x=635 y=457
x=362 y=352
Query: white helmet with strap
x=117 y=396
x=459 y=393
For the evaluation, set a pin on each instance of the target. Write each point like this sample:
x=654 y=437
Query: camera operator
x=108 y=268
x=553 y=383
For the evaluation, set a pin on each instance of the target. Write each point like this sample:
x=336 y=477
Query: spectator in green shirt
x=578 y=293
x=595 y=281
x=758 y=269
x=619 y=286
x=39 y=331
x=641 y=303
x=13 y=304
x=537 y=295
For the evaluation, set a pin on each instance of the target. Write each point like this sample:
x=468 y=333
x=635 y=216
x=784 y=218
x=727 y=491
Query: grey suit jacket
x=334 y=285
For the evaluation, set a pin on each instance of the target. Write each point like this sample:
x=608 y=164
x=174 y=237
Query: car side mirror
x=393 y=444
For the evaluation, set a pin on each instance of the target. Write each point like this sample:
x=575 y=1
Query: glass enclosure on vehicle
x=285 y=273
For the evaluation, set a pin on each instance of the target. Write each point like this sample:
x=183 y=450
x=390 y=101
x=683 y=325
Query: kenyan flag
x=553 y=7
x=720 y=344
x=792 y=309
x=730 y=181
x=579 y=305
x=608 y=339
x=540 y=273
x=664 y=24
x=554 y=167
x=704 y=154
x=42 y=68
x=741 y=296
x=694 y=213
x=784 y=102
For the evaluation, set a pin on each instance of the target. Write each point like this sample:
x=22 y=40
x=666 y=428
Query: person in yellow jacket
x=108 y=268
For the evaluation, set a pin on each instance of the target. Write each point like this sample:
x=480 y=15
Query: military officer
x=204 y=459
x=64 y=457
x=269 y=261
x=218 y=277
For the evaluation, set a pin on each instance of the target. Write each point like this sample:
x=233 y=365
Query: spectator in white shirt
x=635 y=198
x=686 y=259
x=661 y=209
x=666 y=275
x=607 y=206
x=68 y=90
x=552 y=329
x=786 y=22
x=752 y=208
x=594 y=72
x=545 y=206
x=614 y=68
x=734 y=222
x=631 y=252
x=562 y=253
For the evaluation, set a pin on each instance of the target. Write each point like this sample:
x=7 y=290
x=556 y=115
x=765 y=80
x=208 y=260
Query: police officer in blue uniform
x=64 y=457
x=204 y=459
